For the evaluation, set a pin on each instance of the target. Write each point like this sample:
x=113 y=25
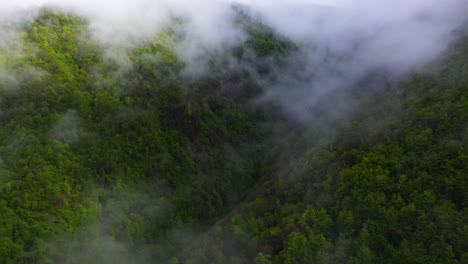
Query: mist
x=339 y=43
x=364 y=35
x=344 y=42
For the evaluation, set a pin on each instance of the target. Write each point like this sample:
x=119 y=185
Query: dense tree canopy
x=102 y=162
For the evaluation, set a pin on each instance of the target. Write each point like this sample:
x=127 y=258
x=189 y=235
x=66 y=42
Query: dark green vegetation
x=390 y=187
x=104 y=163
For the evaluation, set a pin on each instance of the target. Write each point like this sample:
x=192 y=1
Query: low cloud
x=343 y=42
x=340 y=43
x=397 y=35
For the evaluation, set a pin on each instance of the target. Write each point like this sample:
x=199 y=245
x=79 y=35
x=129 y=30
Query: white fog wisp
x=340 y=40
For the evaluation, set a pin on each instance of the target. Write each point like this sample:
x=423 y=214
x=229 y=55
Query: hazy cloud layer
x=208 y=23
x=341 y=41
x=399 y=34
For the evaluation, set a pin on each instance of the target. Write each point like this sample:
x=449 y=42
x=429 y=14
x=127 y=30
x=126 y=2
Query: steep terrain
x=115 y=155
x=390 y=187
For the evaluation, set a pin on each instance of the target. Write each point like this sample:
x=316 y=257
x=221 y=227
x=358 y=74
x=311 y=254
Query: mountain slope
x=115 y=155
x=391 y=187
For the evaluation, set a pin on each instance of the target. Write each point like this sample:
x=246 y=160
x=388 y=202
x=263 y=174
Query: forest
x=101 y=162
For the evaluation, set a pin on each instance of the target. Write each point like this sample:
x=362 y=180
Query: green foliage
x=390 y=187
x=85 y=140
x=136 y=162
x=264 y=41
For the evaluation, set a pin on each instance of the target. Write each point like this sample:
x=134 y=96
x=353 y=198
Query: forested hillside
x=115 y=155
x=140 y=149
x=390 y=187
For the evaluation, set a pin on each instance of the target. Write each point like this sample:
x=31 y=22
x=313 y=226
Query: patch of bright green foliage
x=81 y=135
